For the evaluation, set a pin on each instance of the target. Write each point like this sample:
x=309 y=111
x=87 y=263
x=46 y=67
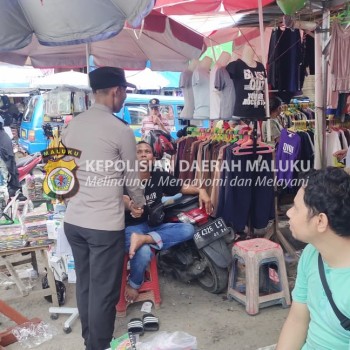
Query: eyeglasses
x=155 y=107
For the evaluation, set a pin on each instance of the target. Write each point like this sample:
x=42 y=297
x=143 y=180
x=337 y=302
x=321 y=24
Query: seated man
x=320 y=217
x=140 y=237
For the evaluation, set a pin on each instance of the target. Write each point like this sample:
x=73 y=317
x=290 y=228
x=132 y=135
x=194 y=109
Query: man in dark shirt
x=7 y=155
x=140 y=237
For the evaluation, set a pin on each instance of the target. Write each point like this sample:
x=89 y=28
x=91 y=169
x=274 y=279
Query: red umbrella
x=186 y=7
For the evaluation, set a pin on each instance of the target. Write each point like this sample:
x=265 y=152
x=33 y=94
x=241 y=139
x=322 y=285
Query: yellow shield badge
x=59 y=179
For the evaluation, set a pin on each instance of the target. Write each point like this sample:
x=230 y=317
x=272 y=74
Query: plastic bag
x=30 y=335
x=169 y=341
x=60 y=288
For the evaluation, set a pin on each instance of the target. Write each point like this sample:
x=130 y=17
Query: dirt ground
x=216 y=322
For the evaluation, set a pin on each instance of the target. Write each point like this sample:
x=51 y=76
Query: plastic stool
x=148 y=291
x=258 y=255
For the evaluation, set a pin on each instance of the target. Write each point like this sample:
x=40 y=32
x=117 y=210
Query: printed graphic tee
x=159 y=184
x=287 y=155
x=249 y=87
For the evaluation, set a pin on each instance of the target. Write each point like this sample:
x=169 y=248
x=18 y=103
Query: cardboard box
x=58 y=268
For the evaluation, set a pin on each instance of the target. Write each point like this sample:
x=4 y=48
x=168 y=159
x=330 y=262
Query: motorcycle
x=207 y=256
x=26 y=164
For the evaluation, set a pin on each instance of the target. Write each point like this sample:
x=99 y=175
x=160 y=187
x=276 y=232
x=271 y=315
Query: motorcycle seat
x=183 y=201
x=23 y=161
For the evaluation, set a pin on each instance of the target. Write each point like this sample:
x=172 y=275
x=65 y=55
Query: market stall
x=299 y=113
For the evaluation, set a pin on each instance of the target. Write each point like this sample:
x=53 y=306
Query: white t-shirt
x=201 y=93
x=187 y=91
x=215 y=94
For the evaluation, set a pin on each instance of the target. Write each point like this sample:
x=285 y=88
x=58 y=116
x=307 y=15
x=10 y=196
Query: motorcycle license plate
x=210 y=232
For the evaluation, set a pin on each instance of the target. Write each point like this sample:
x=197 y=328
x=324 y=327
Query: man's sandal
x=150 y=322
x=135 y=326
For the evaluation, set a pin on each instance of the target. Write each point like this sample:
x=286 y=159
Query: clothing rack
x=254 y=137
x=335 y=123
x=301 y=125
x=276 y=232
x=216 y=133
x=253 y=149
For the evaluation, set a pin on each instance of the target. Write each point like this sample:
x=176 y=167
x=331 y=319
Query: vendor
x=275 y=125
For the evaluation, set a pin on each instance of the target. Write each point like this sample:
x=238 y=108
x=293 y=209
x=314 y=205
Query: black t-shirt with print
x=249 y=86
x=160 y=183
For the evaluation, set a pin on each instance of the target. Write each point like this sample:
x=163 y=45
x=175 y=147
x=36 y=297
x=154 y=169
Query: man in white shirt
x=154 y=121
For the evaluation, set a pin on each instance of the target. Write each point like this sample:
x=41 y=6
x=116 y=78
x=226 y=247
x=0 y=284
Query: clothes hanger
x=261 y=148
x=246 y=146
x=245 y=138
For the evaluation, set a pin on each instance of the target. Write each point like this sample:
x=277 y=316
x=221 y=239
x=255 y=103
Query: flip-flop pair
x=148 y=323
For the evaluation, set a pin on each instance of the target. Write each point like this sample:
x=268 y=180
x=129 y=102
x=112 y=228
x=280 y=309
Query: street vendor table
x=4 y=260
x=7 y=337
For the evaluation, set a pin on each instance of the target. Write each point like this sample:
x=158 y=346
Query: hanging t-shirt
x=215 y=97
x=200 y=85
x=287 y=154
x=186 y=86
x=249 y=83
x=224 y=84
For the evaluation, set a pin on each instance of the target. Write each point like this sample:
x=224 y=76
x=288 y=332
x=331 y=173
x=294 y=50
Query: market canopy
x=185 y=7
x=66 y=22
x=76 y=79
x=162 y=41
x=147 y=79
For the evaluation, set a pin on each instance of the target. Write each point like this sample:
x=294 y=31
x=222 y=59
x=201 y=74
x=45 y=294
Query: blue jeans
x=165 y=235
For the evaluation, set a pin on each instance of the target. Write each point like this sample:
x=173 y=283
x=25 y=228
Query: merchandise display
x=248 y=77
x=34 y=185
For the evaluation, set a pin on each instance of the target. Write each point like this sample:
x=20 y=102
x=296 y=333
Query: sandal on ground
x=135 y=326
x=150 y=322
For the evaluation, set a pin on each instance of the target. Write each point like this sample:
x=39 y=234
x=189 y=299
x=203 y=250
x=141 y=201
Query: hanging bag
x=344 y=321
x=156 y=215
x=161 y=142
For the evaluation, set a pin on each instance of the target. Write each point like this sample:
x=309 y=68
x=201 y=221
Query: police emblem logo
x=59 y=179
